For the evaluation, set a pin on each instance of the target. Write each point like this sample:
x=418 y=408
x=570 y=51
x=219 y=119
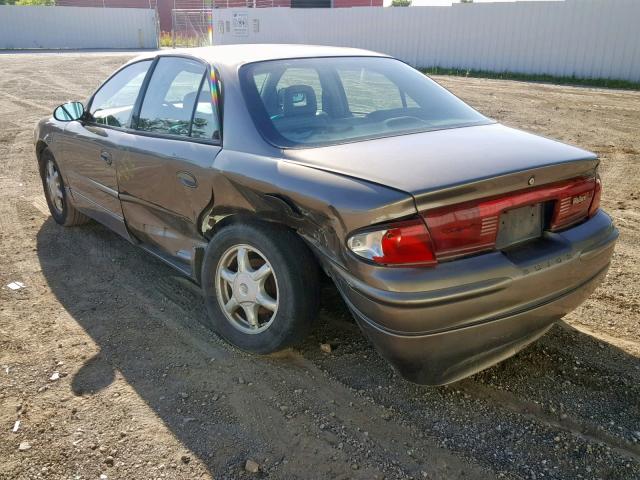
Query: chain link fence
x=191 y=20
x=191 y=27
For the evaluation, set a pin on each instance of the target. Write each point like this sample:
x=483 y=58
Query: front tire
x=60 y=207
x=261 y=287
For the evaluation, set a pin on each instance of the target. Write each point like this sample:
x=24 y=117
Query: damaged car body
x=455 y=241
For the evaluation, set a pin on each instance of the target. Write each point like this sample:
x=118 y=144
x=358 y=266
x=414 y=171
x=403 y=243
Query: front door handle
x=187 y=179
x=106 y=157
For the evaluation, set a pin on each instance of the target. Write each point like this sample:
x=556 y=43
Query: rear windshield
x=324 y=101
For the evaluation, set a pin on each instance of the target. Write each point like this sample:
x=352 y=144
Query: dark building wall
x=164 y=14
x=357 y=3
x=311 y=3
x=329 y=3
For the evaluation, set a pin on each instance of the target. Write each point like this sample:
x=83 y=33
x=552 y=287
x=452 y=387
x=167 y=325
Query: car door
x=165 y=176
x=93 y=145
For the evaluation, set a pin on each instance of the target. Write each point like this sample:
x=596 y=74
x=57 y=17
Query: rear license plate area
x=519 y=225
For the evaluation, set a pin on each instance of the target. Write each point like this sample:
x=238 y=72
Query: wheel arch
x=41 y=146
x=216 y=223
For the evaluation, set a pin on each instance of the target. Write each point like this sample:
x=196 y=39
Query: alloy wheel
x=247 y=289
x=54 y=186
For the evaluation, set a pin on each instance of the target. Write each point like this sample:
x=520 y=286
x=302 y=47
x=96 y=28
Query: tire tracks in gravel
x=327 y=408
x=533 y=411
x=26 y=103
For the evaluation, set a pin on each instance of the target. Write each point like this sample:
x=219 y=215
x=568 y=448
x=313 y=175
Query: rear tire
x=260 y=284
x=58 y=199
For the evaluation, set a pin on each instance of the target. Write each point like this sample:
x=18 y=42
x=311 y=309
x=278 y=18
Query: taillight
x=464 y=228
x=472 y=227
x=573 y=203
x=404 y=243
x=597 y=193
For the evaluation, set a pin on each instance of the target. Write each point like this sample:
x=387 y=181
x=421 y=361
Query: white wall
x=585 y=38
x=77 y=27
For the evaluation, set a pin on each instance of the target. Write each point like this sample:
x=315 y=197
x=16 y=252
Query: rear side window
x=205 y=119
x=171 y=95
x=112 y=105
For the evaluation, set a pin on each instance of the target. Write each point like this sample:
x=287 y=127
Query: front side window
x=324 y=101
x=171 y=95
x=113 y=104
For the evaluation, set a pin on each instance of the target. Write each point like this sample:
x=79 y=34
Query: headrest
x=299 y=100
x=189 y=99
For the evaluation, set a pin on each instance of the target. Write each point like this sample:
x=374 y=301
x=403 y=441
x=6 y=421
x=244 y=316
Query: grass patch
x=166 y=40
x=527 y=77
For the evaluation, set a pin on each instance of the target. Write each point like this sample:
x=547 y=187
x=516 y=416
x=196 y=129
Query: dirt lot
x=145 y=391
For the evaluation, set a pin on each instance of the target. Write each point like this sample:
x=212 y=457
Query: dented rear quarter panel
x=321 y=206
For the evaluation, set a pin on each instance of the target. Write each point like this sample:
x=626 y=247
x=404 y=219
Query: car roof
x=236 y=55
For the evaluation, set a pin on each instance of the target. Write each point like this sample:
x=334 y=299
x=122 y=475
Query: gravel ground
x=105 y=364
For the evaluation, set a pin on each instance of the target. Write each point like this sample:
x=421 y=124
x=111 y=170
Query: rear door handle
x=106 y=157
x=187 y=179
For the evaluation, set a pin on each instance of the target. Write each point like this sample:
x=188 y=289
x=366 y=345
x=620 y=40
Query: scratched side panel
x=159 y=208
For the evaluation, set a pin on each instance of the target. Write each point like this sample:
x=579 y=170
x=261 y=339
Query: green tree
x=400 y=3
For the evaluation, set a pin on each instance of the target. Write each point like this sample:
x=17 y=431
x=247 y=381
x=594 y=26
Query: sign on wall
x=240 y=24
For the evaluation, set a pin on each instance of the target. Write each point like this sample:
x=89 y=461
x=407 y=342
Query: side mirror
x=68 y=112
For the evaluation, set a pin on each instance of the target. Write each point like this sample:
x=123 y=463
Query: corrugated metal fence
x=77 y=27
x=582 y=38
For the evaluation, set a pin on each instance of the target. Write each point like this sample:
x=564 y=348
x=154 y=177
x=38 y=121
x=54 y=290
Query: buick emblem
x=578 y=199
x=532 y=180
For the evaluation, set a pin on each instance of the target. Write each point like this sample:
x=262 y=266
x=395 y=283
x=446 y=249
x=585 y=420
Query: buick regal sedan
x=455 y=241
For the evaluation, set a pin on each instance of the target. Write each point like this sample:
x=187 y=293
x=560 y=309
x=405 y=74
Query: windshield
x=324 y=101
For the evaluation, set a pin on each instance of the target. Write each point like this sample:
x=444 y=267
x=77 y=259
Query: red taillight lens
x=573 y=204
x=404 y=243
x=463 y=229
x=595 y=203
x=472 y=227
x=407 y=244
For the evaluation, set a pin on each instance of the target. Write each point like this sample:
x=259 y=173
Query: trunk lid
x=449 y=166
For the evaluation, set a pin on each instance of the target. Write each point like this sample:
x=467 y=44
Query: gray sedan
x=255 y=170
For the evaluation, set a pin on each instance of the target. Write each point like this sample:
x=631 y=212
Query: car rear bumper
x=438 y=325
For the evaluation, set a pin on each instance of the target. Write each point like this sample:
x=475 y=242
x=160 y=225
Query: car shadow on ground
x=147 y=324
